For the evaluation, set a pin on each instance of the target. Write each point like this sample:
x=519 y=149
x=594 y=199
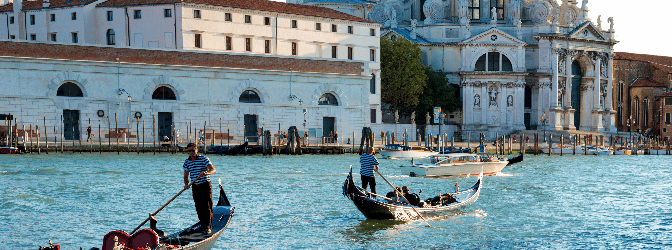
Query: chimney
x=45 y=3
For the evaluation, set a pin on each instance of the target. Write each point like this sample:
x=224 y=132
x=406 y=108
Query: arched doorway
x=576 y=93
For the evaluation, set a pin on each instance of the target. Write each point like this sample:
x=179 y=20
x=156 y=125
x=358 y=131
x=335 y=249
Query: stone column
x=611 y=123
x=569 y=114
x=554 y=82
x=596 y=110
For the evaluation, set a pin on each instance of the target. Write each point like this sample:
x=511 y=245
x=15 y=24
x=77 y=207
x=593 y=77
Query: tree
x=402 y=74
x=438 y=93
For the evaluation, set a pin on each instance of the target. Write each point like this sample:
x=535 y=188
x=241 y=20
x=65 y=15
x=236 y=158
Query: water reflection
x=367 y=230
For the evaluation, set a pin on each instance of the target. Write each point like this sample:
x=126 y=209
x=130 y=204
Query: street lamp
x=543 y=119
x=630 y=122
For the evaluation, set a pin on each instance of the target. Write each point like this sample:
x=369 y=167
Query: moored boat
x=8 y=150
x=227 y=150
x=398 y=151
x=516 y=159
x=377 y=207
x=187 y=239
x=456 y=164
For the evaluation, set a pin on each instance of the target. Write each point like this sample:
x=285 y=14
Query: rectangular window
x=248 y=19
x=372 y=84
x=318 y=26
x=267 y=21
x=334 y=28
x=227 y=17
x=668 y=101
x=373 y=115
x=110 y=15
x=53 y=37
x=267 y=46
x=664 y=130
x=294 y=49
x=373 y=32
x=229 y=46
x=167 y=13
x=474 y=12
x=197 y=14
x=75 y=39
x=11 y=20
x=32 y=19
x=350 y=29
x=197 y=40
x=350 y=53
x=73 y=16
x=373 y=55
x=248 y=44
x=294 y=24
x=667 y=118
x=137 y=14
x=52 y=17
x=333 y=52
x=33 y=37
x=12 y=37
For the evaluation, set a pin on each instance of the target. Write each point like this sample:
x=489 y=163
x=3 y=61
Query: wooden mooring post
x=367 y=139
x=536 y=143
x=100 y=140
x=46 y=136
x=116 y=131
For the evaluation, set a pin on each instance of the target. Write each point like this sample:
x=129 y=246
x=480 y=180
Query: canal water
x=288 y=202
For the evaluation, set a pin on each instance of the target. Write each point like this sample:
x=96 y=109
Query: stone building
x=68 y=87
x=515 y=60
x=663 y=106
x=640 y=81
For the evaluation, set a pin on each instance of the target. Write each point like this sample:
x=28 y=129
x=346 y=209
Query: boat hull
x=406 y=154
x=488 y=168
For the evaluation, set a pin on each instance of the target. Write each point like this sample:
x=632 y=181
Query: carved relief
x=386 y=11
x=562 y=88
x=477 y=100
x=435 y=9
x=538 y=12
x=585 y=87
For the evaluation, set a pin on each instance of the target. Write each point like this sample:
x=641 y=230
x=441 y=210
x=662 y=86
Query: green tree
x=438 y=93
x=402 y=74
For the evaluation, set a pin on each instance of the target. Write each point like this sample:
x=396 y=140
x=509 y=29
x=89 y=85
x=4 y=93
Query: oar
x=396 y=191
x=164 y=205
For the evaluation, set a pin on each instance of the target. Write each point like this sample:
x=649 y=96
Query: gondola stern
x=223 y=200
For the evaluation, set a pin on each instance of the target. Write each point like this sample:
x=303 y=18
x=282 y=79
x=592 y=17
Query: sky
x=639 y=24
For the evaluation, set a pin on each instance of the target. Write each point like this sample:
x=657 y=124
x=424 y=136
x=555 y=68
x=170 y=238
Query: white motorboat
x=398 y=151
x=456 y=164
x=593 y=150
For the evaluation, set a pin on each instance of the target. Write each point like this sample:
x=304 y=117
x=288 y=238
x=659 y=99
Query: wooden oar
x=164 y=205
x=396 y=191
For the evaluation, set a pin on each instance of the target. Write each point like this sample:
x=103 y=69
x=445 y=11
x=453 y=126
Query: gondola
x=187 y=239
x=381 y=208
x=227 y=150
x=516 y=159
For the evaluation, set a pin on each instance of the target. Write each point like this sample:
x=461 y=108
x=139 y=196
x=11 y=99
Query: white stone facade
x=202 y=94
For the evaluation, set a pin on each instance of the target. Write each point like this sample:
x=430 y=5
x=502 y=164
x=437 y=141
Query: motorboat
x=379 y=207
x=398 y=151
x=8 y=150
x=594 y=150
x=455 y=164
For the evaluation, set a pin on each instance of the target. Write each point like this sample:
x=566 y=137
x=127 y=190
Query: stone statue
x=509 y=101
x=584 y=5
x=493 y=14
x=396 y=116
x=493 y=96
x=519 y=28
x=477 y=100
x=611 y=23
x=556 y=16
x=413 y=117
x=427 y=118
x=599 y=22
x=414 y=24
x=393 y=18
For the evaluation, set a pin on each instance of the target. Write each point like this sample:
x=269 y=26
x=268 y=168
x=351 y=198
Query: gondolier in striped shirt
x=199 y=168
x=369 y=165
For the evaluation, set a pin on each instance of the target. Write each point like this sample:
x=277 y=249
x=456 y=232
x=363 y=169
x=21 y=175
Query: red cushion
x=143 y=239
x=108 y=240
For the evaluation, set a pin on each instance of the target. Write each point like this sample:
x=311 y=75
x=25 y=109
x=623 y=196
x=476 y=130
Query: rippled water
x=287 y=202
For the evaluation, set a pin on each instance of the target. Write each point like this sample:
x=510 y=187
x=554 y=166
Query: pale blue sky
x=641 y=25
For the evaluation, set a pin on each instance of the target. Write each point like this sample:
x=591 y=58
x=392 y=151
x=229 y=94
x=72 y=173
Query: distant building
x=641 y=80
x=664 y=110
x=515 y=60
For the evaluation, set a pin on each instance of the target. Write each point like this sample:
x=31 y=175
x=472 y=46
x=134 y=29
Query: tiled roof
x=176 y=58
x=668 y=94
x=260 y=5
x=643 y=82
x=53 y=4
x=341 y=1
x=407 y=34
x=661 y=62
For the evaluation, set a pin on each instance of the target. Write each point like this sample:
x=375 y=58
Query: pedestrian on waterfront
x=201 y=137
x=88 y=133
x=177 y=136
x=514 y=138
x=198 y=168
x=336 y=136
x=369 y=165
x=527 y=139
x=331 y=136
x=382 y=136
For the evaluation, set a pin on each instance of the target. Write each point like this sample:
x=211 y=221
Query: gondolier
x=369 y=165
x=199 y=168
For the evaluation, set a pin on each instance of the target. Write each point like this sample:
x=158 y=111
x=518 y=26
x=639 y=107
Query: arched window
x=249 y=96
x=163 y=93
x=493 y=61
x=110 y=37
x=499 y=6
x=69 y=89
x=372 y=84
x=645 y=112
x=328 y=99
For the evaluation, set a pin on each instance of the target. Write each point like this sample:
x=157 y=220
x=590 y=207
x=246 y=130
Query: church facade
x=521 y=64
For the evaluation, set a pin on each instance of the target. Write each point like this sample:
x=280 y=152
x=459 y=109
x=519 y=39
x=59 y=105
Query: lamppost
x=543 y=119
x=630 y=122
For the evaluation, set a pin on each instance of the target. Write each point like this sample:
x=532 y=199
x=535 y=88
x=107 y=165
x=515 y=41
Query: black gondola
x=378 y=207
x=227 y=150
x=516 y=159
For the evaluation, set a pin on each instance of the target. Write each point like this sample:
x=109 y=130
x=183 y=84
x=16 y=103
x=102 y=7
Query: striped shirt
x=196 y=167
x=367 y=161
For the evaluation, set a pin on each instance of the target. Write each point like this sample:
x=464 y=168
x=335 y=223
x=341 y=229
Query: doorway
x=251 y=128
x=576 y=93
x=71 y=124
x=165 y=123
x=328 y=125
